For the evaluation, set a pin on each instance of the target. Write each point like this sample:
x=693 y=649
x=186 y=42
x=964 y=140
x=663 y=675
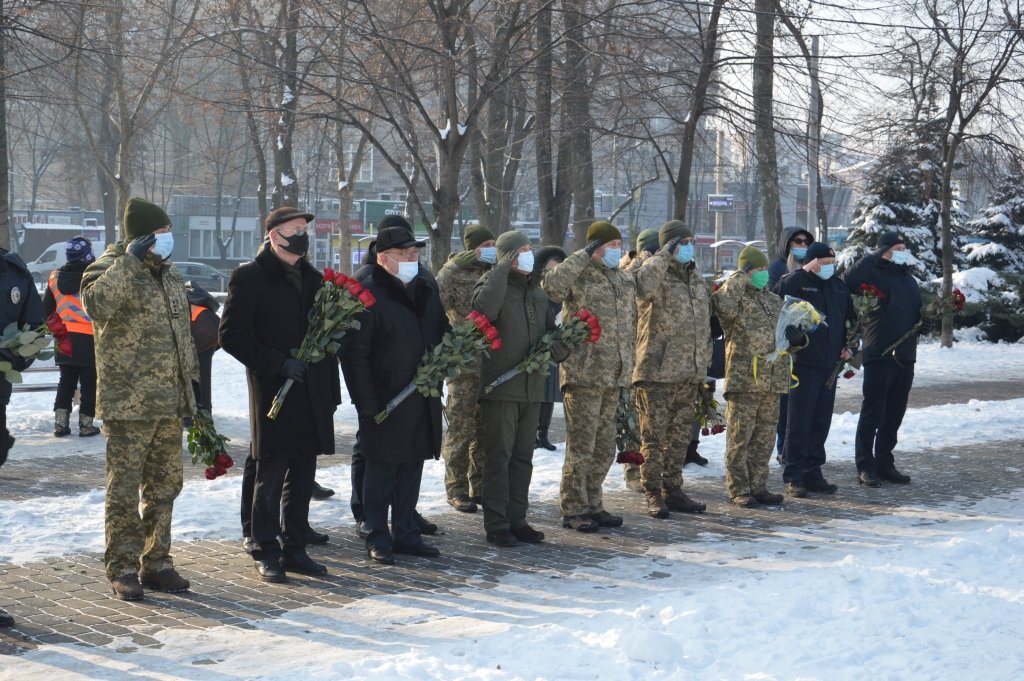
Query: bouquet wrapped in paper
x=473 y=336
x=207 y=445
x=798 y=313
x=333 y=314
x=28 y=343
x=583 y=327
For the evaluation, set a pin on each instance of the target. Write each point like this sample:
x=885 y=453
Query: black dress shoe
x=270 y=571
x=314 y=537
x=6 y=620
x=868 y=479
x=248 y=545
x=421 y=549
x=301 y=562
x=425 y=526
x=381 y=554
x=363 y=530
x=321 y=493
x=821 y=486
x=893 y=475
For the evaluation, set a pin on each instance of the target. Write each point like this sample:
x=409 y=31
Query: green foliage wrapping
x=26 y=342
x=627 y=423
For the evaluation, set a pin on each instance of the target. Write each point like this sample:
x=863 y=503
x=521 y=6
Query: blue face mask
x=826 y=271
x=611 y=257
x=489 y=254
x=164 y=245
x=799 y=253
x=684 y=253
x=899 y=257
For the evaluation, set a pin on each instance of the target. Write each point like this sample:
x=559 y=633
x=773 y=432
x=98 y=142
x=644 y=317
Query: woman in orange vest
x=63 y=296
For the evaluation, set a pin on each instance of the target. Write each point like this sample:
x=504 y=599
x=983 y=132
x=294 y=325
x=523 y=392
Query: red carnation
x=64 y=346
x=211 y=473
x=366 y=298
x=328 y=274
x=223 y=460
x=849 y=373
x=496 y=344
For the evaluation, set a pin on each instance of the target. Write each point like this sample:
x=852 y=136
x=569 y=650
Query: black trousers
x=394 y=486
x=356 y=474
x=809 y=409
x=204 y=389
x=70 y=378
x=780 y=427
x=280 y=505
x=248 y=488
x=547 y=410
x=886 y=390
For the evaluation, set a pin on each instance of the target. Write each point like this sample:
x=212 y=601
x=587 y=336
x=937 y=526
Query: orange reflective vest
x=196 y=311
x=69 y=309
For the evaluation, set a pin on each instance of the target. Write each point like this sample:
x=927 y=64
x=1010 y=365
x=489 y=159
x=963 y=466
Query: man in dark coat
x=810 y=403
x=265 y=318
x=378 y=361
x=888 y=378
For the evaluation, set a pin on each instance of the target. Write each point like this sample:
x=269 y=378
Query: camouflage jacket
x=455 y=283
x=673 y=338
x=145 y=358
x=636 y=261
x=580 y=283
x=749 y=317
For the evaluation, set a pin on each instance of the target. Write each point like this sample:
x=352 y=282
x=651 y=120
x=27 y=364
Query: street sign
x=720 y=203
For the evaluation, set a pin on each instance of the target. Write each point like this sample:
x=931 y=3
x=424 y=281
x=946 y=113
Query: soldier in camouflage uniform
x=749 y=314
x=592 y=377
x=673 y=352
x=463 y=450
x=145 y=363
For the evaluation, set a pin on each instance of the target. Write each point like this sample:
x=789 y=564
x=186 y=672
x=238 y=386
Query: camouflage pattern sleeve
x=560 y=280
x=107 y=283
x=650 y=276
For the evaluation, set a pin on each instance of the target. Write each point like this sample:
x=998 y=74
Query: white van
x=55 y=257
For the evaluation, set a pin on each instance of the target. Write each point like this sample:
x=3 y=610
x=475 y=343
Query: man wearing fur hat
x=888 y=378
x=145 y=365
x=749 y=314
x=463 y=449
x=810 y=403
x=591 y=379
x=673 y=350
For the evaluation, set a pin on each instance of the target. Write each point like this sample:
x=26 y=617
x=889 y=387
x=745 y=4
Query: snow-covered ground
x=925 y=593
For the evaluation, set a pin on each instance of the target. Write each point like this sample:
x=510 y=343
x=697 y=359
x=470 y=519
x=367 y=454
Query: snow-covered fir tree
x=1001 y=225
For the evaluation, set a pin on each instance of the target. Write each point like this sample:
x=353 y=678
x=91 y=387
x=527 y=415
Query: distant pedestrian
x=145 y=365
x=546 y=258
x=205 y=323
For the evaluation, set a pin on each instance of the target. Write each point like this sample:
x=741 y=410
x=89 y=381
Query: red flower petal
x=496 y=344
x=328 y=274
x=211 y=474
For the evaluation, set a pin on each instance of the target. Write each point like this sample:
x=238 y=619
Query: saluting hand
x=140 y=245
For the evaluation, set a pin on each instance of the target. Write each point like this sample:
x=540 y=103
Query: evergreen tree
x=1001 y=225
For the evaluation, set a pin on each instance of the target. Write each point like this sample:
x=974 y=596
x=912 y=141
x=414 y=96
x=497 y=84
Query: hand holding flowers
x=27 y=343
x=932 y=311
x=206 y=444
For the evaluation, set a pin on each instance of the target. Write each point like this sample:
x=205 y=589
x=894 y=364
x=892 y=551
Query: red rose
x=340 y=279
x=491 y=333
x=64 y=346
x=705 y=432
x=496 y=344
x=54 y=322
x=473 y=315
x=223 y=460
x=366 y=298
x=584 y=315
x=328 y=274
x=849 y=373
x=353 y=287
x=211 y=474
x=219 y=470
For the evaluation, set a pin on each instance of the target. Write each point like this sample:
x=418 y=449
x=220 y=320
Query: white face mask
x=164 y=245
x=525 y=261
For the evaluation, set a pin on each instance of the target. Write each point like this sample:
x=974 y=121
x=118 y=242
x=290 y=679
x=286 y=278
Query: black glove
x=294 y=369
x=670 y=247
x=592 y=247
x=17 y=363
x=140 y=245
x=927 y=326
x=796 y=337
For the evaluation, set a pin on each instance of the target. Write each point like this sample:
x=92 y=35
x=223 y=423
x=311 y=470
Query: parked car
x=204 y=275
x=55 y=257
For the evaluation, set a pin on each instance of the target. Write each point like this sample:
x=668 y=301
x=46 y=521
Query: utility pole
x=719 y=189
x=813 y=150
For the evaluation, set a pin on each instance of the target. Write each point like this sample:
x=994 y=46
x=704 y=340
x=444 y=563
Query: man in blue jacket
x=810 y=403
x=887 y=378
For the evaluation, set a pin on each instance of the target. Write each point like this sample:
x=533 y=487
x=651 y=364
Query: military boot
x=86 y=427
x=677 y=500
x=656 y=507
x=61 y=419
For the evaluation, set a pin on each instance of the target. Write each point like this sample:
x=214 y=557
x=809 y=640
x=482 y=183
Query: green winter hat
x=476 y=235
x=511 y=242
x=752 y=258
x=142 y=217
x=647 y=240
x=604 y=231
x=672 y=229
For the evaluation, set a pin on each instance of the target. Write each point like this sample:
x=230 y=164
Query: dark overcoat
x=381 y=358
x=265 y=317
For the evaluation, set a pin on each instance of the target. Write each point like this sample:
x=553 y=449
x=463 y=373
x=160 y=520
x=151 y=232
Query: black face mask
x=298 y=244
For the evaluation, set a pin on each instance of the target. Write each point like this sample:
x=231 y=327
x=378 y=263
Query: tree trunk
x=945 y=222
x=5 y=185
x=764 y=124
x=286 y=184
x=576 y=121
x=553 y=192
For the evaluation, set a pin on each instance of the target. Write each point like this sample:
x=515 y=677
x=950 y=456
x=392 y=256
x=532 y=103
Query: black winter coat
x=780 y=266
x=898 y=312
x=265 y=317
x=19 y=302
x=831 y=298
x=83 y=347
x=381 y=358
x=205 y=325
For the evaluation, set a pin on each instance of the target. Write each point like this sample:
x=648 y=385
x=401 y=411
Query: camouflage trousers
x=462 y=449
x=589 y=447
x=666 y=418
x=750 y=420
x=144 y=476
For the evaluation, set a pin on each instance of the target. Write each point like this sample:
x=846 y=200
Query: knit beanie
x=752 y=258
x=673 y=229
x=78 y=248
x=887 y=240
x=142 y=217
x=603 y=231
x=819 y=250
x=474 y=235
x=546 y=254
x=647 y=240
x=510 y=242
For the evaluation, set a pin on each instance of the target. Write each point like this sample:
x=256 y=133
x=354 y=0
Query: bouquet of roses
x=206 y=444
x=458 y=348
x=798 y=313
x=627 y=430
x=711 y=421
x=333 y=314
x=864 y=304
x=584 y=327
x=26 y=343
x=933 y=310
